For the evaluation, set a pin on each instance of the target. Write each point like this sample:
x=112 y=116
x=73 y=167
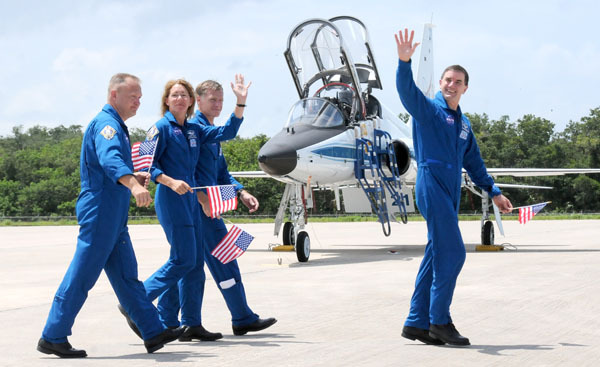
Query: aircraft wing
x=494 y=172
x=533 y=172
x=519 y=186
x=261 y=174
x=536 y=172
x=249 y=174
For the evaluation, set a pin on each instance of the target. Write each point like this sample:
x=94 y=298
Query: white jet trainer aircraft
x=339 y=136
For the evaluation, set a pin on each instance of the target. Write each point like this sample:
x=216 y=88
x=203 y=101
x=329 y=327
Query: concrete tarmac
x=537 y=303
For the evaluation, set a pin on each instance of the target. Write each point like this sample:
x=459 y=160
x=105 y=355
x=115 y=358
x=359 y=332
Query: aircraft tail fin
x=425 y=73
x=424 y=79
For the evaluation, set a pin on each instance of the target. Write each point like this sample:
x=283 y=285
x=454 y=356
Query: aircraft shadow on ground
x=376 y=253
x=516 y=248
x=356 y=256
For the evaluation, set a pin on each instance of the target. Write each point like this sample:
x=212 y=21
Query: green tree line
x=39 y=167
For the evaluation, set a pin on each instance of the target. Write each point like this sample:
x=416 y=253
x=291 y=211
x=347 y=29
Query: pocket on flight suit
x=126 y=257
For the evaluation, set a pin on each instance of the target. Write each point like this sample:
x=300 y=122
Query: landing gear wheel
x=487 y=233
x=303 y=247
x=289 y=237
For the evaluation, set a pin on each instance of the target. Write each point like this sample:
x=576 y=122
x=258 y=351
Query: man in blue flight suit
x=444 y=144
x=107 y=182
x=212 y=170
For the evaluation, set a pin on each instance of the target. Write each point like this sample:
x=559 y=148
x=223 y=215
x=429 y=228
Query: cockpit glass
x=355 y=40
x=317 y=112
x=319 y=46
x=314 y=49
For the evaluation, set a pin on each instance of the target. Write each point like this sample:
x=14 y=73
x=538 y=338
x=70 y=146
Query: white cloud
x=80 y=59
x=537 y=57
x=34 y=99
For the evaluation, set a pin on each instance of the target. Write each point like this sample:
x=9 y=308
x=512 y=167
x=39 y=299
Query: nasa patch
x=177 y=131
x=450 y=120
x=151 y=133
x=465 y=131
x=108 y=132
x=191 y=134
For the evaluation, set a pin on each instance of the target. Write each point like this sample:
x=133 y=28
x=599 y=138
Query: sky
x=523 y=57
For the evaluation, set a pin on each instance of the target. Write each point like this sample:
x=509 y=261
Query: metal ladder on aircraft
x=369 y=157
x=392 y=183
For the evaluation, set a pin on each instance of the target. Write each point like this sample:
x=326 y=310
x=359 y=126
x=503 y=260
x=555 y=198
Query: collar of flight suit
x=111 y=111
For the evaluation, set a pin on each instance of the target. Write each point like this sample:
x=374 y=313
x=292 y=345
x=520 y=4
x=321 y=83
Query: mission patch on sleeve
x=108 y=132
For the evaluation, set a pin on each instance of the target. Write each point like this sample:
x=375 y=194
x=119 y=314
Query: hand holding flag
x=526 y=213
x=143 y=178
x=221 y=199
x=142 y=154
x=233 y=245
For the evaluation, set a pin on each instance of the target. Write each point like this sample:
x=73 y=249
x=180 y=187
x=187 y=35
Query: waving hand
x=405 y=45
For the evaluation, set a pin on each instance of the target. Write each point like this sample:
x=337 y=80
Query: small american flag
x=526 y=213
x=233 y=245
x=222 y=199
x=142 y=154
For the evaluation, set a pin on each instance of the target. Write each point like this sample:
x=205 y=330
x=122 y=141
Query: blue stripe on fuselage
x=337 y=153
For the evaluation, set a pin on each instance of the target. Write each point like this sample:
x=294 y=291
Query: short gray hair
x=120 y=78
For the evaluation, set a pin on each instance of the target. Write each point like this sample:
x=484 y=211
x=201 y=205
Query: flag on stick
x=142 y=154
x=221 y=199
x=233 y=245
x=526 y=213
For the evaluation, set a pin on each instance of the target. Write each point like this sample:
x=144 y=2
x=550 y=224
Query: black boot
x=159 y=341
x=198 y=332
x=448 y=334
x=63 y=350
x=257 y=325
x=421 y=335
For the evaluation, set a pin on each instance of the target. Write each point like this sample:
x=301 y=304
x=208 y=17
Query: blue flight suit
x=444 y=144
x=177 y=153
x=103 y=241
x=212 y=170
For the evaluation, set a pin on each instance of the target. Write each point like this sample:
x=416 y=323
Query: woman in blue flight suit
x=177 y=209
x=444 y=144
x=212 y=170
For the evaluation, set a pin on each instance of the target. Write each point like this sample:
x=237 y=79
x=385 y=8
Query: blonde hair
x=188 y=87
x=207 y=85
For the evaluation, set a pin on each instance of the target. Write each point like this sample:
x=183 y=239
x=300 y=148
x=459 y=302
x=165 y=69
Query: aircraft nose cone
x=277 y=160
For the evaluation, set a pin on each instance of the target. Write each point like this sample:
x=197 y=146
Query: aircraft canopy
x=317 y=112
x=335 y=50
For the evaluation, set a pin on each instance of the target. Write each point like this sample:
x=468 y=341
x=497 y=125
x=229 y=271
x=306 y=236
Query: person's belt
x=435 y=162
